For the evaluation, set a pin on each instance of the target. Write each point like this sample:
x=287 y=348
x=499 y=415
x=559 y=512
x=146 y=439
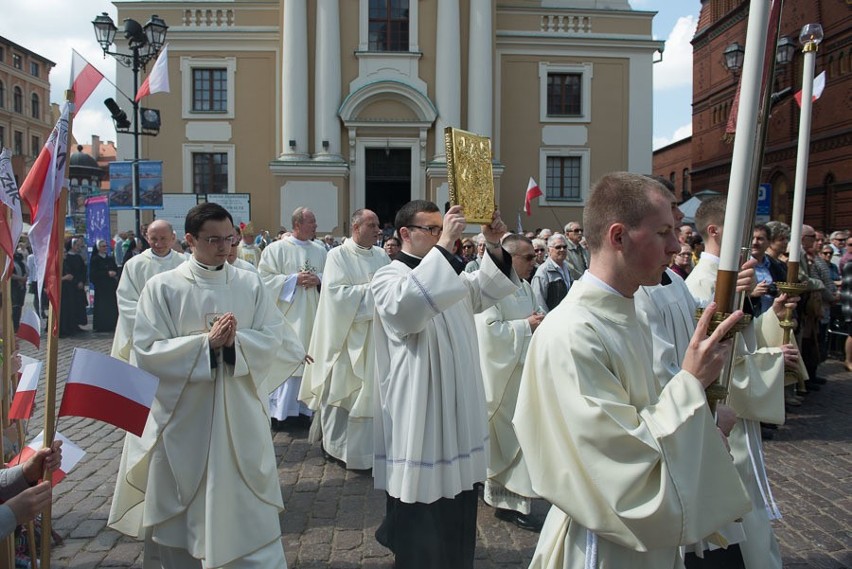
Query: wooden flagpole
x=7 y=546
x=57 y=232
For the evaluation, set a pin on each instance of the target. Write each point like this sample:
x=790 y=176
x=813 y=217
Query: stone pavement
x=332 y=513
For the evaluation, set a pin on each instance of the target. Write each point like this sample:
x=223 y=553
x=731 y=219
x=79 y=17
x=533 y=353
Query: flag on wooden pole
x=84 y=79
x=30 y=328
x=41 y=190
x=71 y=455
x=533 y=191
x=10 y=230
x=109 y=390
x=24 y=400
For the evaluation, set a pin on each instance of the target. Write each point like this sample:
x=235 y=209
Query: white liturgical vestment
x=504 y=335
x=756 y=394
x=279 y=266
x=249 y=252
x=431 y=423
x=633 y=471
x=203 y=476
x=340 y=383
x=137 y=271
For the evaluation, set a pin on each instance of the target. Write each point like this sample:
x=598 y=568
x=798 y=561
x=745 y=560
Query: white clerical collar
x=164 y=257
x=596 y=282
x=298 y=241
x=710 y=257
x=207 y=267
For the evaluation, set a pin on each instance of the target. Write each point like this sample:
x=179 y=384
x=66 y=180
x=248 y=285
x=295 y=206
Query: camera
x=772 y=290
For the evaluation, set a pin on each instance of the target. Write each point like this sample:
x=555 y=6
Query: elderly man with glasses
x=577 y=256
x=553 y=278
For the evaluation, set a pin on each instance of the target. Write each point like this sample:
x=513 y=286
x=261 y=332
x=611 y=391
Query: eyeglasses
x=827 y=253
x=527 y=258
x=580 y=230
x=433 y=230
x=560 y=247
x=539 y=250
x=467 y=246
x=223 y=241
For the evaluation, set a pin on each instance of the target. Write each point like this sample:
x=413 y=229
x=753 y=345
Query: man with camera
x=768 y=271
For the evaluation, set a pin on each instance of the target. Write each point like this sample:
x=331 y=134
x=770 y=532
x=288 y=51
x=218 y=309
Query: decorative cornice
x=720 y=26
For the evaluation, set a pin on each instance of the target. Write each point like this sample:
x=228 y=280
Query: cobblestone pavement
x=332 y=513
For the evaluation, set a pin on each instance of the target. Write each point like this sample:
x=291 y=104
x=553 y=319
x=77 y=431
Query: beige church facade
x=341 y=104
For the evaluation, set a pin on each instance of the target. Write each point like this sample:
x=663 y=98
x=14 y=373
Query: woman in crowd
x=682 y=262
x=103 y=273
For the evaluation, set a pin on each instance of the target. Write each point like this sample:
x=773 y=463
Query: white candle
x=738 y=191
x=811 y=36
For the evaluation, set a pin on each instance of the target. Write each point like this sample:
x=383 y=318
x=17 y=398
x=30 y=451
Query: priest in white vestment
x=341 y=383
x=201 y=484
x=137 y=271
x=247 y=249
x=431 y=444
x=633 y=471
x=756 y=393
x=292 y=270
x=504 y=332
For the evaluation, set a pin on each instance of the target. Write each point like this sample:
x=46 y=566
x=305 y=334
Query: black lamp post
x=144 y=43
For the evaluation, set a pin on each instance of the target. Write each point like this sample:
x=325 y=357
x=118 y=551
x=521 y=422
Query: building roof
x=19 y=47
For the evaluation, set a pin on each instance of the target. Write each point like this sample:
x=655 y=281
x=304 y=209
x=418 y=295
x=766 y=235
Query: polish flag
x=40 y=191
x=10 y=230
x=71 y=455
x=533 y=191
x=30 y=328
x=158 y=80
x=819 y=87
x=109 y=390
x=25 y=394
x=84 y=79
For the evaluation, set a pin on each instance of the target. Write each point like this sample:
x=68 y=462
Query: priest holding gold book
x=431 y=445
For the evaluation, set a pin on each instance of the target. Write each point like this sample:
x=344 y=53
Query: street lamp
x=144 y=43
x=734 y=55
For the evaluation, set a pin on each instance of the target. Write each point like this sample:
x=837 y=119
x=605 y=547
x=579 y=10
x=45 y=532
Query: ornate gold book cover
x=469 y=174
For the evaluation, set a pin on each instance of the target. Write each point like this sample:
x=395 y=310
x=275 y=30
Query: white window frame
x=364 y=29
x=586 y=71
x=187 y=64
x=190 y=149
x=585 y=175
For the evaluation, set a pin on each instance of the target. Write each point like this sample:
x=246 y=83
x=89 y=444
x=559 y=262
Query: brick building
x=721 y=24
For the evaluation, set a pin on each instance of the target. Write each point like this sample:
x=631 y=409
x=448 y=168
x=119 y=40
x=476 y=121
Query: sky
x=66 y=24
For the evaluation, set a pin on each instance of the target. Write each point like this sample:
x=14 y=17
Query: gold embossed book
x=469 y=174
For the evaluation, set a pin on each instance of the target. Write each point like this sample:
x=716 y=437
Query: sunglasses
x=539 y=250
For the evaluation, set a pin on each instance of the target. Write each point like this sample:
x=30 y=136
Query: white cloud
x=675 y=70
x=60 y=26
x=680 y=133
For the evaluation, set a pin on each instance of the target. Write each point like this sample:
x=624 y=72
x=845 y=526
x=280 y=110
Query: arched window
x=685 y=188
x=18 y=101
x=36 y=108
x=2 y=95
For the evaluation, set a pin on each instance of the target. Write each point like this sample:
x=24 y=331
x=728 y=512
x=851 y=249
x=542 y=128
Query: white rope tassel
x=591 y=549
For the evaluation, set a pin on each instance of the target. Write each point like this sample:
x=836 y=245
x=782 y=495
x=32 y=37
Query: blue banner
x=121 y=185
x=97 y=221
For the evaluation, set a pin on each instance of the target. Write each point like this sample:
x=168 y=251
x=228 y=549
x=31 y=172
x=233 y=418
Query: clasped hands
x=223 y=332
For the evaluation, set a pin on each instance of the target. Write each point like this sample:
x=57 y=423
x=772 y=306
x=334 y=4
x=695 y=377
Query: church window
x=388 y=25
x=210 y=172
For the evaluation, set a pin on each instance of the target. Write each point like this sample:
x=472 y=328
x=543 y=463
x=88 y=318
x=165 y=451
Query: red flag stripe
x=30 y=334
x=22 y=405
x=85 y=81
x=82 y=400
x=25 y=455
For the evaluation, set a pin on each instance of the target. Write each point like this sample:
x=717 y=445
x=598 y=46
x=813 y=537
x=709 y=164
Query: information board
x=238 y=205
x=174 y=210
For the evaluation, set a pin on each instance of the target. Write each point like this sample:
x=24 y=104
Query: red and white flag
x=533 y=191
x=40 y=191
x=819 y=87
x=109 y=390
x=71 y=455
x=84 y=79
x=24 y=400
x=30 y=328
x=10 y=231
x=158 y=80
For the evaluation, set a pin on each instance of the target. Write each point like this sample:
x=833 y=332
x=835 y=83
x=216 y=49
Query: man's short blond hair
x=619 y=197
x=710 y=212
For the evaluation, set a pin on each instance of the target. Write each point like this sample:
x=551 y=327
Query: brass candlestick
x=788 y=324
x=718 y=390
